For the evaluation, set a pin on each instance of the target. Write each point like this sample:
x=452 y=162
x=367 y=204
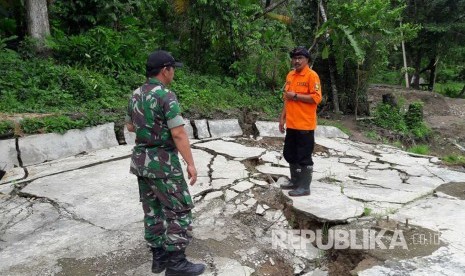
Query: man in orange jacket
x=302 y=94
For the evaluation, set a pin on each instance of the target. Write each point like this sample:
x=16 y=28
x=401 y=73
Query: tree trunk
x=332 y=69
x=432 y=76
x=334 y=92
x=415 y=82
x=37 y=19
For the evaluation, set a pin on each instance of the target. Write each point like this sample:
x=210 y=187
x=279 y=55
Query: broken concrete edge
x=40 y=148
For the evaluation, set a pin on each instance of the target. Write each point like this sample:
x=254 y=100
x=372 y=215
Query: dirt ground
x=445 y=116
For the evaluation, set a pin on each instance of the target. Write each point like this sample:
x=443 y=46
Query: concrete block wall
x=36 y=149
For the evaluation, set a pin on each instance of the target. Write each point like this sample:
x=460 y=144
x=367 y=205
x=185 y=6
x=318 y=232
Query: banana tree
x=358 y=35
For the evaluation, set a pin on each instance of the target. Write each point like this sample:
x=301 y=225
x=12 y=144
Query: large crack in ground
x=251 y=230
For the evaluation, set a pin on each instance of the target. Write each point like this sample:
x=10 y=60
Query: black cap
x=299 y=51
x=160 y=59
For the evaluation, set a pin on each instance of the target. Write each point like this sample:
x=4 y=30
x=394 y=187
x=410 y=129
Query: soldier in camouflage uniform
x=154 y=115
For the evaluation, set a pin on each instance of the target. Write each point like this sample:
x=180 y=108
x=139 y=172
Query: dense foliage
x=235 y=52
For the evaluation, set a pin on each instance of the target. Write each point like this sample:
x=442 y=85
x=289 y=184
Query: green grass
x=449 y=89
x=367 y=211
x=454 y=159
x=373 y=135
x=420 y=149
x=6 y=127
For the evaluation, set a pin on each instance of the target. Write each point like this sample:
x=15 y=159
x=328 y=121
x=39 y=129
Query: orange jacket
x=301 y=115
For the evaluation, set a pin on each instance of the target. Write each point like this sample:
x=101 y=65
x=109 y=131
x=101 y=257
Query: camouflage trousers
x=167 y=208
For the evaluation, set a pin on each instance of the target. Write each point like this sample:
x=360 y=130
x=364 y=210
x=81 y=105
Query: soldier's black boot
x=160 y=260
x=294 y=168
x=304 y=180
x=178 y=265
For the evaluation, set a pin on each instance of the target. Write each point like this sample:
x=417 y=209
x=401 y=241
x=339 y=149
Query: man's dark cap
x=299 y=51
x=160 y=59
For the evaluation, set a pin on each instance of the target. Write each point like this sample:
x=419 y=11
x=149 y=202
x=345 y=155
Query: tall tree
x=442 y=22
x=37 y=19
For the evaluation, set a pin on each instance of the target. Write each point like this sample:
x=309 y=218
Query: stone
x=213 y=195
x=229 y=194
x=260 y=210
x=228 y=169
x=330 y=132
x=225 y=128
x=268 y=129
x=242 y=186
x=129 y=137
x=268 y=169
x=8 y=154
x=232 y=149
x=434 y=160
x=275 y=158
x=39 y=148
x=202 y=129
x=338 y=209
x=189 y=129
x=298 y=265
x=259 y=182
x=347 y=160
x=220 y=183
x=250 y=202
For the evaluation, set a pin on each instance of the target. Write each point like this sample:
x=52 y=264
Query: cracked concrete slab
x=8 y=154
x=70 y=163
x=230 y=169
x=95 y=195
x=339 y=209
x=232 y=149
x=36 y=149
x=93 y=200
x=202 y=129
x=225 y=128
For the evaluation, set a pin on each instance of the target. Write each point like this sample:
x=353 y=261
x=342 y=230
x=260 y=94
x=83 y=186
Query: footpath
x=373 y=210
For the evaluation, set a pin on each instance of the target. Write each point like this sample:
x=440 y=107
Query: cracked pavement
x=81 y=215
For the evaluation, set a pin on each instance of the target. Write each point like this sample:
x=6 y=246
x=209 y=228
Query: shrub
x=389 y=117
x=37 y=85
x=420 y=149
x=454 y=159
x=104 y=49
x=6 y=127
x=409 y=123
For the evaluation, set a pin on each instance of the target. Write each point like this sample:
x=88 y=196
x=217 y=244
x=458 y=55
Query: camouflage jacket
x=154 y=110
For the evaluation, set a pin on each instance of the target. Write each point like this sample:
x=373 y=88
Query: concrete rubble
x=80 y=213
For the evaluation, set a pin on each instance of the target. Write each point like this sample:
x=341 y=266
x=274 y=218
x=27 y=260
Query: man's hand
x=281 y=126
x=130 y=127
x=289 y=95
x=191 y=174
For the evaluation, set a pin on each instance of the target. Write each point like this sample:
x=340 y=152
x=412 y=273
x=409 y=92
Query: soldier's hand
x=191 y=174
